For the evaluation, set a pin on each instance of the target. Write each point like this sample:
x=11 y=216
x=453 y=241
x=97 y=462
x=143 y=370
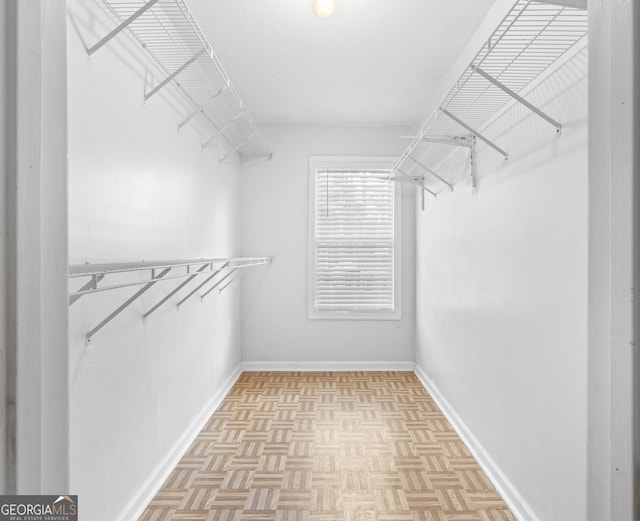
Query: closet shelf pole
x=474 y=132
x=122 y=26
x=173 y=75
x=175 y=290
x=517 y=97
x=92 y=284
x=127 y=303
x=210 y=277
x=427 y=169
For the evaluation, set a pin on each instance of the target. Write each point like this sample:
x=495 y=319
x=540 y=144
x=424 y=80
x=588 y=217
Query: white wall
x=139 y=190
x=275 y=222
x=502 y=301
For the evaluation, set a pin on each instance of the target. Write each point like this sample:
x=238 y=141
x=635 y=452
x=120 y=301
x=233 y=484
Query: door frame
x=613 y=376
x=35 y=267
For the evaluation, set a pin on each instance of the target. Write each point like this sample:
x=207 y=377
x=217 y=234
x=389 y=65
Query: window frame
x=352 y=163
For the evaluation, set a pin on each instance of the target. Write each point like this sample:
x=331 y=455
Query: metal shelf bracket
x=417 y=180
x=233 y=279
x=173 y=75
x=158 y=271
x=206 y=281
x=235 y=149
x=517 y=97
x=475 y=133
x=428 y=170
x=459 y=140
x=199 y=109
x=231 y=272
x=175 y=290
x=92 y=284
x=472 y=163
x=127 y=303
x=122 y=26
x=230 y=123
x=534 y=38
x=181 y=54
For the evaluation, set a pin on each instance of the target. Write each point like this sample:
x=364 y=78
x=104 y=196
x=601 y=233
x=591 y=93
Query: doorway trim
x=613 y=260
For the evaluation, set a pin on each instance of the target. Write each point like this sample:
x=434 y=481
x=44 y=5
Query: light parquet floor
x=354 y=446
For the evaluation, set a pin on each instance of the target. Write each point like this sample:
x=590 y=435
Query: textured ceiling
x=372 y=62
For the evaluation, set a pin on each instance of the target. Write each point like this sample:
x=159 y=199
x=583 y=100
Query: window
x=354 y=239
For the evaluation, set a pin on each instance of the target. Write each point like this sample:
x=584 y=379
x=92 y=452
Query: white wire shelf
x=206 y=275
x=531 y=37
x=171 y=37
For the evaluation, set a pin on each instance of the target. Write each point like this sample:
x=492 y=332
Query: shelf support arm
x=517 y=97
x=92 y=284
x=222 y=130
x=426 y=168
x=463 y=140
x=175 y=290
x=414 y=180
x=173 y=75
x=203 y=283
x=233 y=279
x=237 y=147
x=199 y=109
x=474 y=132
x=472 y=163
x=122 y=26
x=231 y=272
x=189 y=118
x=127 y=303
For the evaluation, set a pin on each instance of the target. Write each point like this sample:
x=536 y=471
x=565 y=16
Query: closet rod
x=157 y=272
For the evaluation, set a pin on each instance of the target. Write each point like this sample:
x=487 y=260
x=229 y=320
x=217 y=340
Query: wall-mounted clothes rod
x=171 y=38
x=532 y=36
x=146 y=274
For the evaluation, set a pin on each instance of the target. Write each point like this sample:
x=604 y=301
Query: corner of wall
x=514 y=500
x=147 y=491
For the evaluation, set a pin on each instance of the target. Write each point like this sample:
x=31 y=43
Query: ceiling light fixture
x=324 y=8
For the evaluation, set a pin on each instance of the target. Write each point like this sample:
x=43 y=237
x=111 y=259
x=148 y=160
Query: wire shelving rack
x=172 y=39
x=198 y=277
x=531 y=38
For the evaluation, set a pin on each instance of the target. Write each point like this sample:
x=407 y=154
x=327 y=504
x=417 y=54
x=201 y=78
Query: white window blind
x=354 y=239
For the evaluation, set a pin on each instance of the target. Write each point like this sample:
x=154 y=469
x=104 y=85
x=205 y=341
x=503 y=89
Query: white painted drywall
x=140 y=190
x=275 y=222
x=502 y=299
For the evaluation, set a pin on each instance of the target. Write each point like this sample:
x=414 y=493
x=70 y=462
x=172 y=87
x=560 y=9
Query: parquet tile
x=352 y=446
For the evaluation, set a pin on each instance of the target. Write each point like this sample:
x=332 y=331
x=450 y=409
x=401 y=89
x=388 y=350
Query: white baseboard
x=519 y=507
x=148 y=490
x=513 y=499
x=327 y=366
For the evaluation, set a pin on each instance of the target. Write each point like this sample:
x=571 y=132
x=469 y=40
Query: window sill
x=354 y=316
